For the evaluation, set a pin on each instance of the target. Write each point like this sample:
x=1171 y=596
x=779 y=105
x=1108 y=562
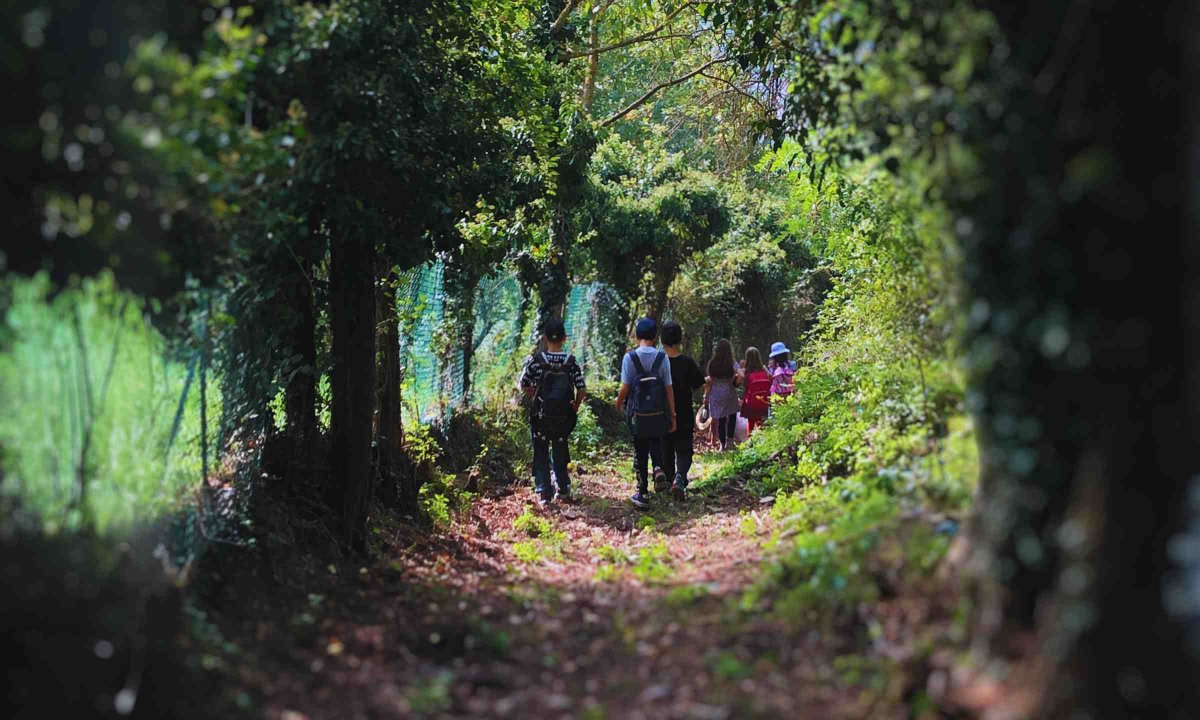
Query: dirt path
x=592 y=610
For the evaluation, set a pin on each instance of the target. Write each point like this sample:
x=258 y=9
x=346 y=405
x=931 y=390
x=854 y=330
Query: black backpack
x=553 y=414
x=647 y=407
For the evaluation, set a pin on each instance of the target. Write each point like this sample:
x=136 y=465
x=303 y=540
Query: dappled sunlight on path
x=593 y=609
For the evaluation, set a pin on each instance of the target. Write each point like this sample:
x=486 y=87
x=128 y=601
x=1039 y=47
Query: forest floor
x=592 y=610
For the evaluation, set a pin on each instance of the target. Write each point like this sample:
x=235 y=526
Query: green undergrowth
x=541 y=541
x=871 y=533
x=441 y=496
x=651 y=564
x=870 y=464
x=491 y=444
x=601 y=430
x=839 y=546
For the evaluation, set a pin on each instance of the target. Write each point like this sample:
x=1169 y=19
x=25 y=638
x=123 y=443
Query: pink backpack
x=782 y=382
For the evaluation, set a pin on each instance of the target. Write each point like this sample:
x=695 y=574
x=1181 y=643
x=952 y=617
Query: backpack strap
x=658 y=361
x=637 y=364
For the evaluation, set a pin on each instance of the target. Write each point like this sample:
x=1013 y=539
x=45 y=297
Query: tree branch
x=740 y=90
x=563 y=17
x=648 y=35
x=659 y=87
x=626 y=43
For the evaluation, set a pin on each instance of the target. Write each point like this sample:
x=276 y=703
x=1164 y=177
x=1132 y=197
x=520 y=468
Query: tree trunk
x=593 y=71
x=660 y=288
x=300 y=395
x=1087 y=436
x=468 y=356
x=352 y=322
x=462 y=289
x=555 y=284
x=395 y=471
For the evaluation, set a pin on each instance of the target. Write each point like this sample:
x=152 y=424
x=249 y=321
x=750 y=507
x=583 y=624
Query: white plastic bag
x=741 y=430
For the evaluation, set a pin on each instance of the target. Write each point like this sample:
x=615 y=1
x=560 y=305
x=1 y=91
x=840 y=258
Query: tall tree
x=1024 y=117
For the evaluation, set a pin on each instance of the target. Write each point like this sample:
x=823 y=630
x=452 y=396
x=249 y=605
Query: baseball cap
x=647 y=329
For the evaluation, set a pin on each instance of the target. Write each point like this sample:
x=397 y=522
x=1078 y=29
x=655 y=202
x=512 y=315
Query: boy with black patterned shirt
x=550 y=445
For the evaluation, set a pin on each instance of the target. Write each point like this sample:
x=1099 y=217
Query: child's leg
x=541 y=466
x=655 y=449
x=561 y=454
x=683 y=453
x=668 y=455
x=641 y=453
x=723 y=429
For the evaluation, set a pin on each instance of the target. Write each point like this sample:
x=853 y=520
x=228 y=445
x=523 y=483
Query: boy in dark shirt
x=677 y=447
x=544 y=448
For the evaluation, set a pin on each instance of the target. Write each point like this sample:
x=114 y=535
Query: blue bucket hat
x=778 y=349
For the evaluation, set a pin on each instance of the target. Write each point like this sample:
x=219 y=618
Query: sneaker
x=661 y=484
x=564 y=495
x=679 y=489
x=640 y=499
x=544 y=501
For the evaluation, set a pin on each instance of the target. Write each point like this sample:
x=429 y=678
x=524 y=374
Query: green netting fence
x=503 y=334
x=108 y=425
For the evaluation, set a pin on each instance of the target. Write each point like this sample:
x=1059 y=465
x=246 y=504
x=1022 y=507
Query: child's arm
x=523 y=383
x=621 y=395
x=700 y=379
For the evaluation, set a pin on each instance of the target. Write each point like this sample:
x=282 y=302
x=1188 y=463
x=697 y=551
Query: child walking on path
x=758 y=390
x=553 y=384
x=721 y=393
x=686 y=378
x=650 y=410
x=782 y=371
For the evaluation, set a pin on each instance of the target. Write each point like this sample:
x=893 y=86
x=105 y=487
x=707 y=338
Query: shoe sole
x=663 y=486
x=639 y=504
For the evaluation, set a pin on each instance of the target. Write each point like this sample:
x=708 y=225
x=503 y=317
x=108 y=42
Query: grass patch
x=728 y=666
x=543 y=541
x=430 y=697
x=487 y=638
x=685 y=595
x=531 y=525
x=651 y=564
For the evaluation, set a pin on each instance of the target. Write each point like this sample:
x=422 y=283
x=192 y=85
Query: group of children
x=763 y=384
x=657 y=388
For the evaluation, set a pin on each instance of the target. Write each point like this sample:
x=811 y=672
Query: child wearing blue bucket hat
x=782 y=371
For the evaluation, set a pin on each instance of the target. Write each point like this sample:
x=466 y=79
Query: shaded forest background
x=271 y=268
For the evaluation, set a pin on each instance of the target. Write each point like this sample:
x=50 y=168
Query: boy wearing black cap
x=646 y=366
x=553 y=382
